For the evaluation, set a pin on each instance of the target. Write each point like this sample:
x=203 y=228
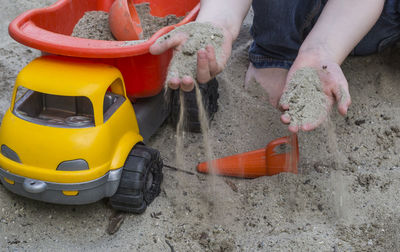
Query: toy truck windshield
x=55 y=110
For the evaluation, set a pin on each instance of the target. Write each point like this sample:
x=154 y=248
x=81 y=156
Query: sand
x=184 y=63
x=94 y=24
x=151 y=24
x=305 y=97
x=199 y=35
x=279 y=213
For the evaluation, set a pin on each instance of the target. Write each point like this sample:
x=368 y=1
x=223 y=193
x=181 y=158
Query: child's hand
x=208 y=66
x=341 y=25
x=334 y=85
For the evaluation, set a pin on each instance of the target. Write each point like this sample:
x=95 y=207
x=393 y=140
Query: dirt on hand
x=305 y=97
x=199 y=35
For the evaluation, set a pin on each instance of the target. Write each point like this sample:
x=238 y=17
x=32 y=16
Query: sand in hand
x=199 y=35
x=305 y=97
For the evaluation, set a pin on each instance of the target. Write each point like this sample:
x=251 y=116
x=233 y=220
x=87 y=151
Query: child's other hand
x=334 y=85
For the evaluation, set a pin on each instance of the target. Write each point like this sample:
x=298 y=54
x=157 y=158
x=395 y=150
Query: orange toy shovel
x=124 y=21
x=263 y=162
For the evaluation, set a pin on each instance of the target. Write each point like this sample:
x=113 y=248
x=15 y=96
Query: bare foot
x=271 y=79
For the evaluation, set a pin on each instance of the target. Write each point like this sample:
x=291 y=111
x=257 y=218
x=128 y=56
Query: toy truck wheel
x=140 y=180
x=210 y=97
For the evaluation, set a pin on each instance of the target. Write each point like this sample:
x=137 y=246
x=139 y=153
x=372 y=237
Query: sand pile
x=305 y=97
x=199 y=36
x=94 y=24
x=151 y=24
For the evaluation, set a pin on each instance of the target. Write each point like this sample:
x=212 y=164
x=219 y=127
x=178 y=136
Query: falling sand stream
x=341 y=203
x=180 y=135
x=184 y=63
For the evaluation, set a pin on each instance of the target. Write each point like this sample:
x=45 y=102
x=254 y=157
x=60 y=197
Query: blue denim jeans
x=280 y=27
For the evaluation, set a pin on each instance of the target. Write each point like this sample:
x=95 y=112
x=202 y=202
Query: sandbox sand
x=93 y=25
x=280 y=213
x=151 y=24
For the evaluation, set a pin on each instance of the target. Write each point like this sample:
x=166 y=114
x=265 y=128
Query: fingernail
x=202 y=56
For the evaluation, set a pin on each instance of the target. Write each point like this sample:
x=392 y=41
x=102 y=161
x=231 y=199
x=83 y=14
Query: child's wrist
x=227 y=23
x=319 y=53
x=217 y=23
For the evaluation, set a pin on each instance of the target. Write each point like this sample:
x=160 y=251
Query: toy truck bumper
x=63 y=193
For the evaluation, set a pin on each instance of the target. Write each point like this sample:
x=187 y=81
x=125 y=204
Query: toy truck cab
x=69 y=132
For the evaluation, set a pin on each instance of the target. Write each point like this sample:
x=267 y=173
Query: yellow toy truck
x=79 y=116
x=67 y=134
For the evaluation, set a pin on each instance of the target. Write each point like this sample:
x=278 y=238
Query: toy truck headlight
x=9 y=153
x=73 y=165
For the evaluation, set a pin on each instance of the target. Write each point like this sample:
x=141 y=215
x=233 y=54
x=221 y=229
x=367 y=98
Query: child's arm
x=226 y=14
x=342 y=24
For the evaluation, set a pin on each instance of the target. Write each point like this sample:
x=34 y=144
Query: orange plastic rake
x=263 y=162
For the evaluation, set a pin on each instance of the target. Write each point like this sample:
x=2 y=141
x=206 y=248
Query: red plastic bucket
x=48 y=29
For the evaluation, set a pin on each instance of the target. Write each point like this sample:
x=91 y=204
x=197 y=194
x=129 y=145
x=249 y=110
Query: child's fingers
x=165 y=42
x=285 y=118
x=203 y=68
x=174 y=83
x=343 y=98
x=283 y=106
x=293 y=128
x=337 y=86
x=187 y=84
x=212 y=61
